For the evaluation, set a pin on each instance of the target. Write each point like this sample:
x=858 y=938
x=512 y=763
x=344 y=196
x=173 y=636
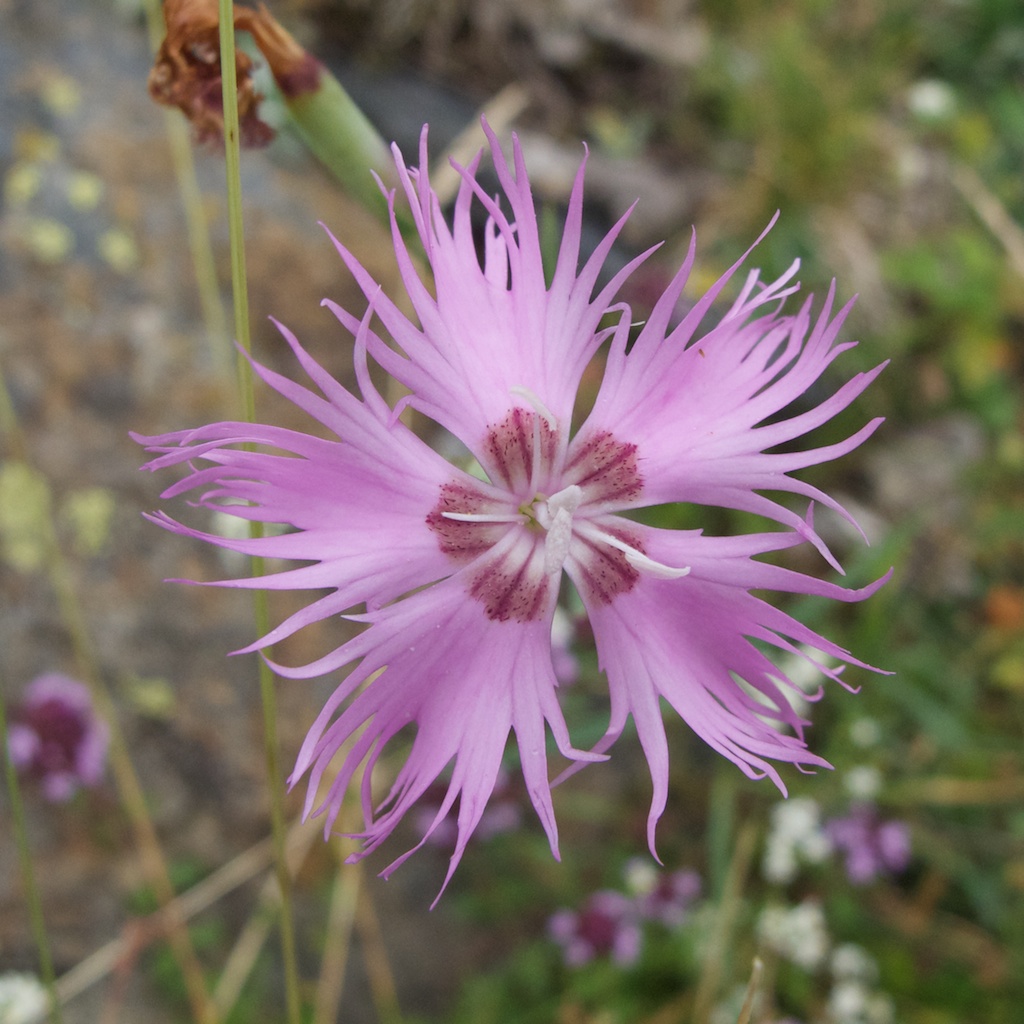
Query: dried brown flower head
x=187 y=70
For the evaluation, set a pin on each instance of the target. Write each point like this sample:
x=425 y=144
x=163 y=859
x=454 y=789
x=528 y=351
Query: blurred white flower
x=865 y=732
x=798 y=934
x=931 y=100
x=854 y=1002
x=863 y=782
x=641 y=876
x=796 y=837
x=853 y=999
x=848 y=1003
x=852 y=961
x=23 y=999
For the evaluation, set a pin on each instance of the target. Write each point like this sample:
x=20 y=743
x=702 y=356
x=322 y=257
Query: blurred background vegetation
x=890 y=135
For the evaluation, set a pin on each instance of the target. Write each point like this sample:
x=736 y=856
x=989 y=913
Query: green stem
x=200 y=247
x=196 y=224
x=35 y=906
x=716 y=952
x=721 y=830
x=338 y=133
x=261 y=612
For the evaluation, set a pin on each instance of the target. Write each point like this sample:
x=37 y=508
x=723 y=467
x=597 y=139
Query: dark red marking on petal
x=509 y=448
x=604 y=572
x=513 y=587
x=460 y=540
x=606 y=468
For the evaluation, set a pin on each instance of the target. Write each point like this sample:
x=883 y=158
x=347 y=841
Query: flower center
x=548 y=509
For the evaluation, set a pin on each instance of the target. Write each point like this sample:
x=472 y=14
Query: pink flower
x=606 y=926
x=459 y=568
x=55 y=736
x=871 y=847
x=670 y=898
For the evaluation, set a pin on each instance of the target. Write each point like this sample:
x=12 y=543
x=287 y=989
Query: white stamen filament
x=536 y=461
x=637 y=559
x=649 y=567
x=485 y=517
x=538 y=406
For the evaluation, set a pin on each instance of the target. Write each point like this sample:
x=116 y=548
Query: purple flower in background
x=870 y=846
x=55 y=736
x=459 y=566
x=669 y=898
x=606 y=926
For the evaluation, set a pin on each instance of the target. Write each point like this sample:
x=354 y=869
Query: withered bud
x=187 y=71
x=295 y=71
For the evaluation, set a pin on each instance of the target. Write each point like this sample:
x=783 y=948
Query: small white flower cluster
x=931 y=100
x=796 y=837
x=640 y=876
x=798 y=934
x=863 y=782
x=23 y=999
x=854 y=998
x=865 y=732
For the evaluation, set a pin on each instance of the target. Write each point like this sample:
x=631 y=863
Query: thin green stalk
x=200 y=247
x=729 y=905
x=261 y=612
x=753 y=987
x=339 y=134
x=721 y=830
x=35 y=906
x=383 y=991
x=196 y=224
x=340 y=922
x=243 y=957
